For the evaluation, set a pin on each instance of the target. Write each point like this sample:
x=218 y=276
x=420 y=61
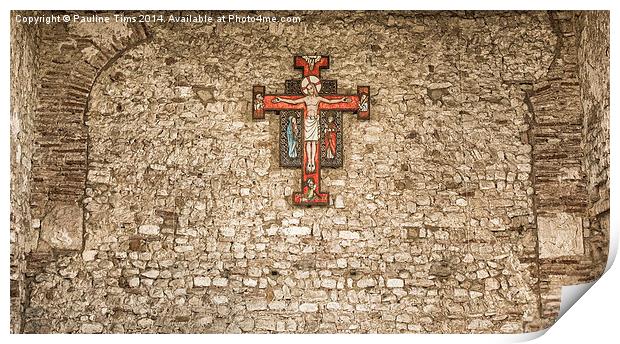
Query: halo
x=305 y=83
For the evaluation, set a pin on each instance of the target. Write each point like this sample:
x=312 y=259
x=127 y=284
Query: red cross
x=358 y=103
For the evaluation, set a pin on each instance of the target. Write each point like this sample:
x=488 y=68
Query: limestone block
x=333 y=305
x=220 y=299
x=296 y=230
x=491 y=284
x=479 y=324
x=148 y=229
x=308 y=307
x=91 y=328
x=349 y=235
x=475 y=294
x=329 y=283
x=145 y=322
x=220 y=281
x=277 y=305
x=89 y=255
x=339 y=202
x=151 y=273
x=202 y=281
x=250 y=282
x=256 y=305
x=133 y=282
x=395 y=283
x=61 y=228
x=227 y=232
x=560 y=235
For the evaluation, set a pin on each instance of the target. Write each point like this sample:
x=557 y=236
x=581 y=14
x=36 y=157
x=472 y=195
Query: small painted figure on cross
x=330 y=134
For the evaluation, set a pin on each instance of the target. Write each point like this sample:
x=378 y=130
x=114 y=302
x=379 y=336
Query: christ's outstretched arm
x=288 y=101
x=335 y=101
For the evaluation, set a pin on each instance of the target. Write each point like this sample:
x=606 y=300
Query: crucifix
x=310 y=112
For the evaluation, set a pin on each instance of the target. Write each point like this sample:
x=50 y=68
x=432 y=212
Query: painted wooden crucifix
x=310 y=112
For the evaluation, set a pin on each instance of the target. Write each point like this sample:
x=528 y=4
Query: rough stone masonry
x=145 y=199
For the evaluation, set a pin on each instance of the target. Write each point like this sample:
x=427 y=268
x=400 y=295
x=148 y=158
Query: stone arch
x=73 y=55
x=138 y=147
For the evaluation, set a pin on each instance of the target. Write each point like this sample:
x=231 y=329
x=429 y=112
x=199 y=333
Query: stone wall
x=187 y=219
x=24 y=67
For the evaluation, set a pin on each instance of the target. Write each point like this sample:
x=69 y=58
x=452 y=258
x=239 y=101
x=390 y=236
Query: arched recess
x=72 y=56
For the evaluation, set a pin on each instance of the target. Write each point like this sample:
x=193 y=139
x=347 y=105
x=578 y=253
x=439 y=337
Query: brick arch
x=72 y=58
x=560 y=182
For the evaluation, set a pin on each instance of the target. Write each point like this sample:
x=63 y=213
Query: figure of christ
x=310 y=87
